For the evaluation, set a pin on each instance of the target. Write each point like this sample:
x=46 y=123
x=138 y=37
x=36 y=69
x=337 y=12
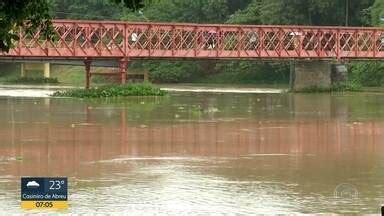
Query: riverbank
x=61 y=75
x=48 y=90
x=19 y=90
x=373 y=89
x=74 y=75
x=225 y=88
x=64 y=75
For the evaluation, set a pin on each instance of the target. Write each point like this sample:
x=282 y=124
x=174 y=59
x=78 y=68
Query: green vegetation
x=64 y=75
x=32 y=80
x=172 y=71
x=377 y=12
x=304 y=12
x=75 y=75
x=31 y=15
x=69 y=75
x=347 y=86
x=251 y=72
x=144 y=89
x=369 y=74
x=337 y=87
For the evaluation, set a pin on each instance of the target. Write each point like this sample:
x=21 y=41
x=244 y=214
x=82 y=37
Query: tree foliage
x=95 y=9
x=197 y=11
x=304 y=12
x=32 y=15
x=86 y=9
x=367 y=73
x=377 y=12
x=28 y=14
x=133 y=4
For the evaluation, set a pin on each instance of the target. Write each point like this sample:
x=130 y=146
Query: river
x=199 y=152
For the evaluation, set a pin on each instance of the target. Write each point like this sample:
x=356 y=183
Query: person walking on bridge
x=212 y=39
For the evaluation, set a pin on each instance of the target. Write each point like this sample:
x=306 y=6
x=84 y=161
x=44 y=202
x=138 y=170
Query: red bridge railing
x=113 y=39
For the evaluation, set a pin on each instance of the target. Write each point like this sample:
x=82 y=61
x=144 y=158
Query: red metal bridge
x=93 y=40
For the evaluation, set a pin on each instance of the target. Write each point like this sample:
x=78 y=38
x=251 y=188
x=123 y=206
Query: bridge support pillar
x=311 y=75
x=22 y=70
x=47 y=70
x=123 y=65
x=87 y=63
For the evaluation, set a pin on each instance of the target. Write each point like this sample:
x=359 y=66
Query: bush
x=336 y=87
x=144 y=89
x=370 y=74
x=213 y=71
x=246 y=72
x=347 y=86
x=173 y=71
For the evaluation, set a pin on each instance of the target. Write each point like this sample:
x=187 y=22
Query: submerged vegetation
x=32 y=80
x=347 y=86
x=344 y=86
x=142 y=89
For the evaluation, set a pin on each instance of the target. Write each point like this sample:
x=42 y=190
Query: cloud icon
x=32 y=184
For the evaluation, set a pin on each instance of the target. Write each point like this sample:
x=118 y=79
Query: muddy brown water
x=199 y=153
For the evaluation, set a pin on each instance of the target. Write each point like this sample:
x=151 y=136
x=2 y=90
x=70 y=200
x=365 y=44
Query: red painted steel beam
x=122 y=40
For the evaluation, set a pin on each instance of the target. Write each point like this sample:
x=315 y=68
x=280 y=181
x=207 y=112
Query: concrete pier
x=47 y=70
x=311 y=75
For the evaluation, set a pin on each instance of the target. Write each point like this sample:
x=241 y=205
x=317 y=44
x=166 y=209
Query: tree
x=196 y=11
x=33 y=15
x=94 y=9
x=249 y=15
x=28 y=14
x=303 y=12
x=133 y=4
x=377 y=12
x=86 y=9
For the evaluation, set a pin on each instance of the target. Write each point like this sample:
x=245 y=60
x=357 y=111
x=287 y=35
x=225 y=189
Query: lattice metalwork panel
x=79 y=39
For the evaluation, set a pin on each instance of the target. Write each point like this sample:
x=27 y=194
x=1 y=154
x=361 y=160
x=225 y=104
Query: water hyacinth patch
x=143 y=89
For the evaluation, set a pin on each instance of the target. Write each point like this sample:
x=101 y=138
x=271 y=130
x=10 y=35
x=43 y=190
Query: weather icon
x=32 y=184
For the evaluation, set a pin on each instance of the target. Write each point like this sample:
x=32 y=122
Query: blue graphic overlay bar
x=42 y=189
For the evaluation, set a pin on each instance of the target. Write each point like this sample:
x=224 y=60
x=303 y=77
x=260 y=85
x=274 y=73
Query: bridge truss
x=76 y=39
